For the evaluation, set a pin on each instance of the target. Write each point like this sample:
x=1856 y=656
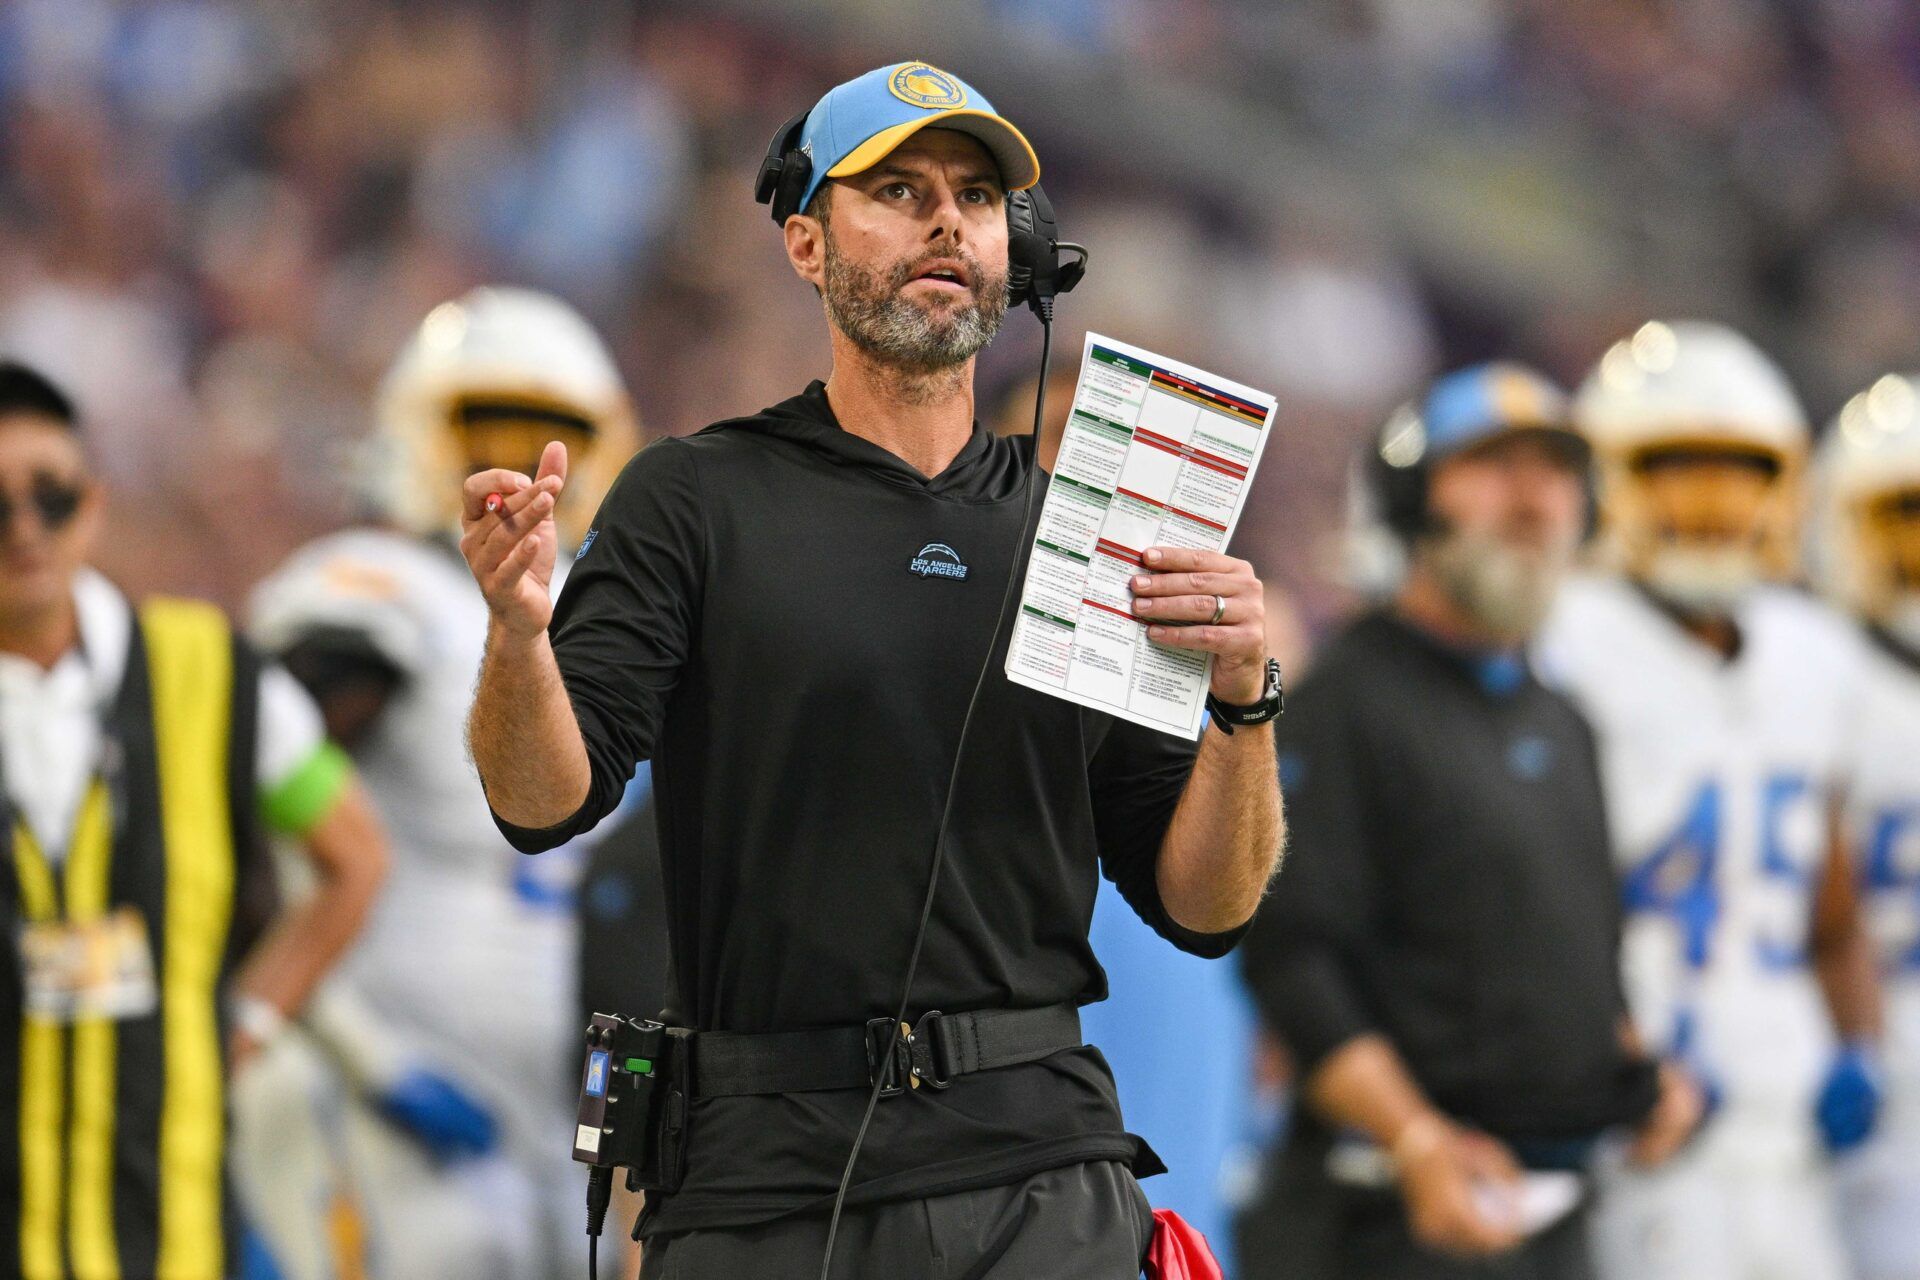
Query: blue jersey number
x=1893 y=869
x=1788 y=852
x=1680 y=878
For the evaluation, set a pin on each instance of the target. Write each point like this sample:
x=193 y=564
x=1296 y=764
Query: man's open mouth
x=945 y=272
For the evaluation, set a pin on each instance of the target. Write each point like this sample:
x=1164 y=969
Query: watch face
x=1269 y=705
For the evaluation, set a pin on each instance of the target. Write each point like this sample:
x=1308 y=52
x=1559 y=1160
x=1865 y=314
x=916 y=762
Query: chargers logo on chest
x=938 y=560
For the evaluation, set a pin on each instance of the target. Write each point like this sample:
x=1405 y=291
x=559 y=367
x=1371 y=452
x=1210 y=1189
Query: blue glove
x=1850 y=1100
x=439 y=1114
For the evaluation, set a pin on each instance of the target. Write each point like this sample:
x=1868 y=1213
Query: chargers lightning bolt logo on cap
x=926 y=86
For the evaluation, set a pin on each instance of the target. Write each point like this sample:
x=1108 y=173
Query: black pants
x=1083 y=1222
x=1305 y=1227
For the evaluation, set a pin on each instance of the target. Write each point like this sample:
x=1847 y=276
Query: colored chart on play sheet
x=1156 y=453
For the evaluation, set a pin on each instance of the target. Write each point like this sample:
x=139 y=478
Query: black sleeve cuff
x=541 y=839
x=1208 y=946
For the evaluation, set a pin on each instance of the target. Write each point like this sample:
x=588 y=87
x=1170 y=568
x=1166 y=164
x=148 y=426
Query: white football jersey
x=471 y=945
x=1719 y=776
x=1883 y=819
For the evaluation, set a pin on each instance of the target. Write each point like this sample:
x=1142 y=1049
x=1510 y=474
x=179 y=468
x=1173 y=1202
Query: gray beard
x=1507 y=592
x=875 y=316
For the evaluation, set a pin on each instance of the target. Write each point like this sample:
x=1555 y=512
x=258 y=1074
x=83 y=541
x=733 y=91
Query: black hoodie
x=787 y=620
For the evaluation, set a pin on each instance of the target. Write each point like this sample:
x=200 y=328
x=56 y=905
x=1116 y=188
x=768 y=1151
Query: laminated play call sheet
x=1156 y=453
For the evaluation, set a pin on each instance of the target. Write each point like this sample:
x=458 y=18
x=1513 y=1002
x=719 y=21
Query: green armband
x=308 y=794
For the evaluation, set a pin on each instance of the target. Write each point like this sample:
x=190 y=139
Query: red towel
x=1178 y=1252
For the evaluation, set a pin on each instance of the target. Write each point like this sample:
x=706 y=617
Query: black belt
x=931 y=1052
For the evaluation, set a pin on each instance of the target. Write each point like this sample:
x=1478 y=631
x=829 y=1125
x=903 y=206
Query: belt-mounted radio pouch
x=633 y=1101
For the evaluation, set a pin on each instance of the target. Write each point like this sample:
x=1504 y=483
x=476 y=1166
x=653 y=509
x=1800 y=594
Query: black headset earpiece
x=1397 y=473
x=785 y=172
x=1035 y=273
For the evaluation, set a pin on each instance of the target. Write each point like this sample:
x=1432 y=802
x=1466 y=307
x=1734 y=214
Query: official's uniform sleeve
x=1137 y=776
x=301 y=774
x=625 y=625
x=1309 y=939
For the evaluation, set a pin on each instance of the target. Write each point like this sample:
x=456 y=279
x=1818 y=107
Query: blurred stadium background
x=219 y=220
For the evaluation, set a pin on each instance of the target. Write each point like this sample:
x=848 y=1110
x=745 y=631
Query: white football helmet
x=1691 y=391
x=486 y=380
x=1866 y=540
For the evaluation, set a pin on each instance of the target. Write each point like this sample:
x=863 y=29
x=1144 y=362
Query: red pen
x=495 y=501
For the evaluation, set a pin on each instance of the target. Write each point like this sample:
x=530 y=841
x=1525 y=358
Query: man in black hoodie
x=1443 y=963
x=758 y=612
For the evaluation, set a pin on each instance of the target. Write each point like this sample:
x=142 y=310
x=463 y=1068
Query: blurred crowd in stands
x=219 y=219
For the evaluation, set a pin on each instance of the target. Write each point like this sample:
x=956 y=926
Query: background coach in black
x=1441 y=954
x=746 y=615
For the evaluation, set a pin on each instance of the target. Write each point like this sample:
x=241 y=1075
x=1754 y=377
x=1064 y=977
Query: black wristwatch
x=1271 y=704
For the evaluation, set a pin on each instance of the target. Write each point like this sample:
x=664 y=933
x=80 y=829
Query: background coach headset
x=1459 y=411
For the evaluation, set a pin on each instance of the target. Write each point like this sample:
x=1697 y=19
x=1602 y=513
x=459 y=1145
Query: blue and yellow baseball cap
x=1473 y=405
x=858 y=123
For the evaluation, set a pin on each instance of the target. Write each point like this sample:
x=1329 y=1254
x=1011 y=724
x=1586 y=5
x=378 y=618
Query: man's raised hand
x=511 y=549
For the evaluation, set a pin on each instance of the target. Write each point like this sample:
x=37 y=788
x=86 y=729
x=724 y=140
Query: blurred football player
x=1723 y=702
x=1868 y=561
x=452 y=1023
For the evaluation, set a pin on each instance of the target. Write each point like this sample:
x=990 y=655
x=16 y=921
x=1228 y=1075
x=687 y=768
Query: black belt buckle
x=930 y=1065
x=889 y=1056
